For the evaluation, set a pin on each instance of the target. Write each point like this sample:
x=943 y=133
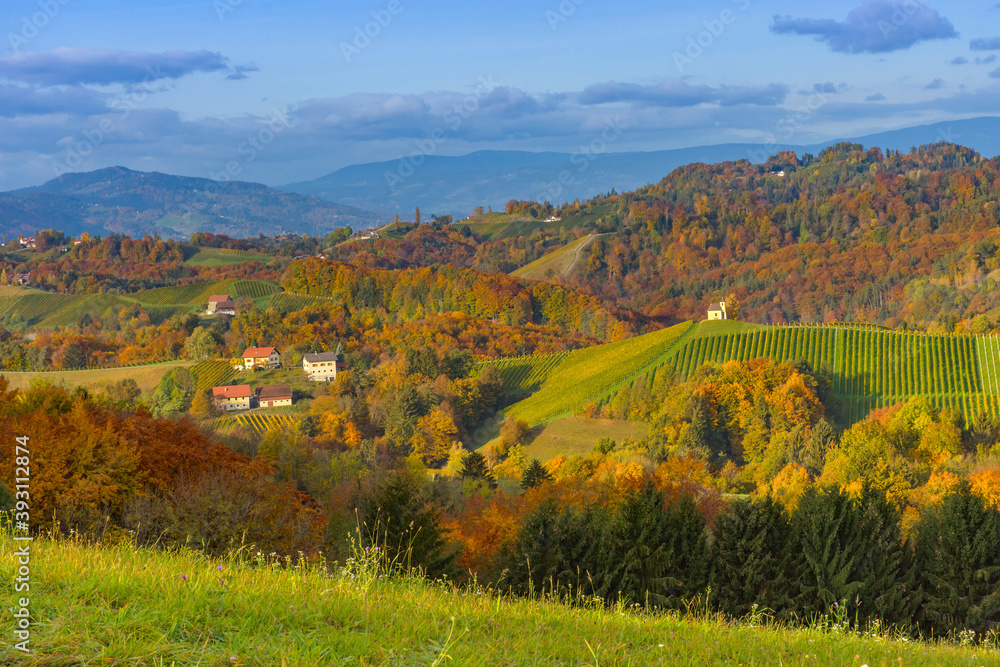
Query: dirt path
x=579 y=252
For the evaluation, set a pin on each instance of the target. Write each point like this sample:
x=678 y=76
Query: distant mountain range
x=456 y=185
x=365 y=196
x=136 y=203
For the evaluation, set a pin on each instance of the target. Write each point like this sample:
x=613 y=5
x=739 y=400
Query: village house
x=222 y=304
x=261 y=357
x=233 y=397
x=22 y=278
x=717 y=311
x=274 y=395
x=322 y=367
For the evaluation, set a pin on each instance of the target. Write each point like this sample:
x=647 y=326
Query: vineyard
x=33 y=305
x=261 y=422
x=213 y=374
x=869 y=367
x=587 y=374
x=523 y=375
x=254 y=289
x=182 y=294
x=199 y=256
x=287 y=302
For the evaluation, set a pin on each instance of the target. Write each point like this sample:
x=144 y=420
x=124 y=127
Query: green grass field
x=586 y=374
x=578 y=435
x=122 y=605
x=146 y=377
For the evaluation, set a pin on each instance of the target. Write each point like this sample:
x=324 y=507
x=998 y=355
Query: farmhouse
x=261 y=357
x=22 y=278
x=717 y=311
x=322 y=367
x=233 y=397
x=221 y=303
x=274 y=395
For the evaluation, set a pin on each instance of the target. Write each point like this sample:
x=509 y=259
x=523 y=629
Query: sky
x=285 y=91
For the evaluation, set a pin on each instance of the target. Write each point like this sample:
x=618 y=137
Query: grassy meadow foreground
x=121 y=604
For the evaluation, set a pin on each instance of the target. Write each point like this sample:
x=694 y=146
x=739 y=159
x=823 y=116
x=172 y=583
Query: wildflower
x=232 y=658
x=184 y=577
x=220 y=568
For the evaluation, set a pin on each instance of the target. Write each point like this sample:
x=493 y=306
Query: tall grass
x=118 y=603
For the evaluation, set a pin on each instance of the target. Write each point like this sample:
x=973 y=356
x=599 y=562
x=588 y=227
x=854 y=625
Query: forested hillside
x=852 y=234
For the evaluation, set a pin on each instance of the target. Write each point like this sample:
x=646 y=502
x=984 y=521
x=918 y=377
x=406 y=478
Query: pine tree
x=688 y=545
x=636 y=560
x=750 y=558
x=884 y=562
x=535 y=475
x=825 y=537
x=958 y=557
x=555 y=552
x=398 y=517
x=475 y=468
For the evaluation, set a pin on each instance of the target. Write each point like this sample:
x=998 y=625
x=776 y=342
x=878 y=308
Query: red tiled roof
x=232 y=391
x=258 y=352
x=215 y=298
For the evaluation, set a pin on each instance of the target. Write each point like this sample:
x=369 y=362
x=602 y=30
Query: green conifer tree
x=957 y=552
x=636 y=562
x=750 y=558
x=534 y=475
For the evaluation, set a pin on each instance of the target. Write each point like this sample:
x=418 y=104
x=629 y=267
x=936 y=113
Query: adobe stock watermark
x=250 y=149
x=88 y=141
x=454 y=118
x=902 y=13
x=371 y=30
x=787 y=126
x=32 y=24
x=562 y=13
x=224 y=7
x=582 y=158
x=714 y=28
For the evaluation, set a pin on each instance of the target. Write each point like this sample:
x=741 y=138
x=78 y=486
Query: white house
x=322 y=367
x=717 y=311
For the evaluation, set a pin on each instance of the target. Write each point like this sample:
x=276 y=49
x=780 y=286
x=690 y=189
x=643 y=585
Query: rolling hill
x=868 y=366
x=130 y=202
x=455 y=185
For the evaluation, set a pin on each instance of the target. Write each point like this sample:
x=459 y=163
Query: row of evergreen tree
x=835 y=553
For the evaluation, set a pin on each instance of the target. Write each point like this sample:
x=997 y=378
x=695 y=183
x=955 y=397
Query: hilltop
x=457 y=184
x=131 y=202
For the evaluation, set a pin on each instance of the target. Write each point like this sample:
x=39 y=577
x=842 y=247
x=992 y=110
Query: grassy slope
x=578 y=435
x=560 y=261
x=146 y=377
x=587 y=372
x=126 y=606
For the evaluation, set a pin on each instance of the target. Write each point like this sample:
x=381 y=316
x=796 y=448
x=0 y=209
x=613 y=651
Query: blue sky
x=279 y=92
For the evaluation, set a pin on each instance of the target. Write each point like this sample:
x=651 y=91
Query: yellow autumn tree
x=789 y=485
x=434 y=436
x=986 y=484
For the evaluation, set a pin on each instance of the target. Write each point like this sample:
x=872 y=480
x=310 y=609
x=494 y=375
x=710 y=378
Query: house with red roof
x=232 y=397
x=261 y=357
